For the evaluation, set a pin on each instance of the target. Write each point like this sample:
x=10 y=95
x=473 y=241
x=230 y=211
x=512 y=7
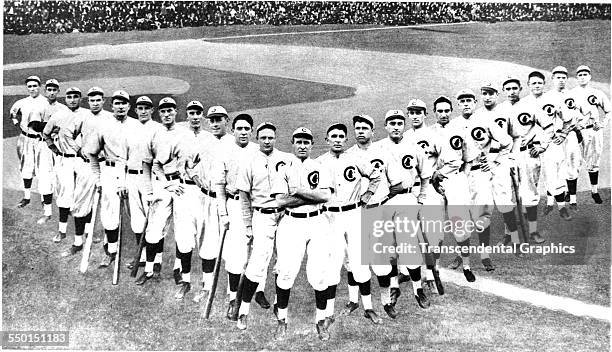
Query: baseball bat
x=89 y=239
x=213 y=289
x=519 y=205
x=118 y=254
x=243 y=276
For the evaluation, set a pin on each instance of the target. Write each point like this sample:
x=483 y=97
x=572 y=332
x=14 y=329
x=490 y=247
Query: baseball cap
x=466 y=93
x=511 y=79
x=265 y=124
x=337 y=126
x=32 y=78
x=559 y=69
x=536 y=74
x=95 y=91
x=216 y=110
x=243 y=117
x=194 y=104
x=394 y=113
x=73 y=90
x=488 y=86
x=364 y=118
x=121 y=94
x=144 y=100
x=416 y=104
x=167 y=101
x=51 y=83
x=443 y=99
x=302 y=132
x=583 y=68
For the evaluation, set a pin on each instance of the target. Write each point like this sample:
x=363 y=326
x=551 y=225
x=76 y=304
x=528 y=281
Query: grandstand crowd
x=28 y=17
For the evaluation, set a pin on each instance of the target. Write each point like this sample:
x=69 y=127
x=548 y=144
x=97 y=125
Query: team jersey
x=451 y=149
x=52 y=108
x=229 y=161
x=588 y=101
x=139 y=141
x=486 y=135
x=298 y=174
x=197 y=151
x=528 y=124
x=256 y=176
x=405 y=162
x=347 y=171
x=166 y=148
x=428 y=140
x=30 y=109
x=376 y=157
x=563 y=119
x=112 y=138
x=64 y=127
x=91 y=123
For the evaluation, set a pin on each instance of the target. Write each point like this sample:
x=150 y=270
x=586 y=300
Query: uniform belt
x=342 y=208
x=235 y=196
x=110 y=163
x=304 y=215
x=187 y=182
x=66 y=155
x=135 y=172
x=589 y=126
x=494 y=150
x=374 y=205
x=101 y=160
x=476 y=167
x=211 y=194
x=268 y=210
x=31 y=135
x=530 y=145
x=173 y=176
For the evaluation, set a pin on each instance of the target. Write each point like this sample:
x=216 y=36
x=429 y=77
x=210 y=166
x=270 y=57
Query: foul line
x=536 y=298
x=337 y=31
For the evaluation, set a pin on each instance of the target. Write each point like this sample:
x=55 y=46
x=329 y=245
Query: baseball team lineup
x=223 y=189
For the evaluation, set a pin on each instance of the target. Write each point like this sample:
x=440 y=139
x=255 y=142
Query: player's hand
x=224 y=221
x=122 y=192
x=365 y=198
x=596 y=126
x=437 y=177
x=80 y=155
x=395 y=189
x=558 y=139
x=421 y=198
x=485 y=167
x=249 y=233
x=175 y=188
x=535 y=151
x=54 y=149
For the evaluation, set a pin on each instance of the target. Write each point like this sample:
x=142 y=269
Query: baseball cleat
x=488 y=265
x=96 y=239
x=231 y=311
x=260 y=298
x=422 y=299
x=548 y=209
x=596 y=197
x=438 y=281
x=535 y=237
x=567 y=197
x=59 y=237
x=72 y=251
x=201 y=295
x=242 y=322
x=395 y=293
x=469 y=275
x=564 y=214
x=130 y=265
x=43 y=220
x=350 y=308
x=372 y=316
x=22 y=203
x=390 y=310
x=107 y=261
x=430 y=286
x=329 y=321
x=456 y=263
x=178 y=278
x=573 y=206
x=322 y=330
x=180 y=294
x=281 y=329
x=144 y=277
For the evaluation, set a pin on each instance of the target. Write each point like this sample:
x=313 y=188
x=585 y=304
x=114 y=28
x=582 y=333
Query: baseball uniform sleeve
x=501 y=136
x=280 y=184
x=92 y=147
x=368 y=171
x=244 y=179
x=606 y=107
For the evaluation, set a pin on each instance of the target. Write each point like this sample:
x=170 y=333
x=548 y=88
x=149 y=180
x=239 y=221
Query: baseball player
x=260 y=213
x=22 y=113
x=302 y=187
x=343 y=211
x=112 y=138
x=589 y=101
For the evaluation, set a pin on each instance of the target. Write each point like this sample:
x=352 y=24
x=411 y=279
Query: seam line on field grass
x=533 y=297
x=336 y=31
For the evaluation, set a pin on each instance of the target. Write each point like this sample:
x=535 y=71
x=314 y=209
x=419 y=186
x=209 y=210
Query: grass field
x=43 y=291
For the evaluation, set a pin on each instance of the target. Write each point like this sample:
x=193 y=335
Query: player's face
x=512 y=91
x=52 y=92
x=120 y=108
x=417 y=116
x=33 y=88
x=336 y=139
x=72 y=100
x=363 y=132
x=536 y=85
x=302 y=147
x=583 y=78
x=167 y=115
x=144 y=112
x=266 y=139
x=194 y=117
x=395 y=127
x=559 y=80
x=95 y=103
x=467 y=105
x=489 y=97
x=218 y=125
x=443 y=111
x=242 y=132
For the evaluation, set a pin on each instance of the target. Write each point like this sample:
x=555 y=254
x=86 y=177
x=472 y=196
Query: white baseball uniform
x=45 y=159
x=30 y=110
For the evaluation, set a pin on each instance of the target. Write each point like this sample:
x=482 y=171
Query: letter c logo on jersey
x=478 y=134
x=407 y=162
x=423 y=144
x=279 y=165
x=500 y=121
x=456 y=142
x=377 y=163
x=592 y=100
x=349 y=174
x=549 y=109
x=313 y=179
x=525 y=119
x=569 y=102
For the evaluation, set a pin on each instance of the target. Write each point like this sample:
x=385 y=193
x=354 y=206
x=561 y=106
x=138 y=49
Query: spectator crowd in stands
x=27 y=17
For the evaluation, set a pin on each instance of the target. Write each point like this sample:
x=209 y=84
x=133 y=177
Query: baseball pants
x=529 y=177
x=592 y=148
x=136 y=200
x=552 y=164
x=432 y=211
x=343 y=224
x=109 y=201
x=235 y=249
x=502 y=187
x=378 y=263
x=26 y=152
x=402 y=208
x=211 y=240
x=84 y=187
x=188 y=216
x=66 y=178
x=481 y=196
x=573 y=157
x=44 y=168
x=264 y=232
x=456 y=190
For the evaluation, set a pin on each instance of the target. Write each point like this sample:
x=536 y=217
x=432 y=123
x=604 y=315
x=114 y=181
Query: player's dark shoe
x=43 y=220
x=232 y=313
x=517 y=251
x=506 y=241
x=567 y=197
x=185 y=288
x=395 y=293
x=457 y=262
x=178 y=278
x=201 y=295
x=329 y=321
x=260 y=298
x=535 y=237
x=242 y=322
x=488 y=265
x=281 y=329
x=438 y=281
x=107 y=261
x=548 y=209
x=22 y=203
x=469 y=275
x=372 y=316
x=350 y=308
x=130 y=265
x=401 y=278
x=422 y=299
x=430 y=286
x=96 y=239
x=59 y=237
x=72 y=251
x=322 y=330
x=596 y=197
x=144 y=277
x=564 y=214
x=390 y=310
x=573 y=206
x=156 y=267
